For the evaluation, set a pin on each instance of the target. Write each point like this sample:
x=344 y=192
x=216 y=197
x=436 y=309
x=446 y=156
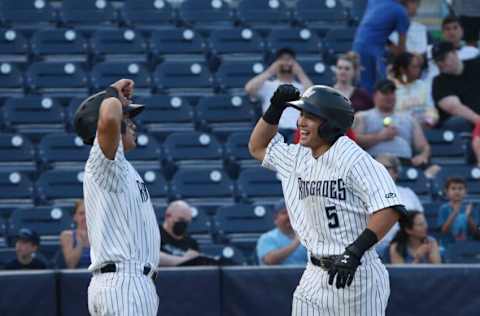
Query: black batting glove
x=344 y=267
x=278 y=102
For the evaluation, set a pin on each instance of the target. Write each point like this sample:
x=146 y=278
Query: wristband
x=364 y=242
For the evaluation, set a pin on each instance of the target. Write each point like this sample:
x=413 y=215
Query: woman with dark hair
x=412 y=93
x=412 y=244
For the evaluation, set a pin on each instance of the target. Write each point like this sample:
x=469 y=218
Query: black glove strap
x=364 y=242
x=111 y=92
x=273 y=114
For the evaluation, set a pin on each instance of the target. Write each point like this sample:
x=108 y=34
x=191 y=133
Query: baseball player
x=340 y=201
x=121 y=223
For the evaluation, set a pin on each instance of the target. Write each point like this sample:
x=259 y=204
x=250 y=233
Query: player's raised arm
x=267 y=126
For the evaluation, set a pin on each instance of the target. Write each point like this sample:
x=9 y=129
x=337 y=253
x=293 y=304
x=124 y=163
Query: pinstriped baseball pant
x=367 y=296
x=122 y=294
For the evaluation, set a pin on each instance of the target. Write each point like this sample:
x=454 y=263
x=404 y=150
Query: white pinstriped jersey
x=121 y=222
x=330 y=198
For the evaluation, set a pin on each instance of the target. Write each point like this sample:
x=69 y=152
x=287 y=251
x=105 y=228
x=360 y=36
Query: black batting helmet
x=331 y=106
x=86 y=117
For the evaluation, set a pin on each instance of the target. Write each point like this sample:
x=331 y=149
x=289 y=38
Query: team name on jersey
x=334 y=189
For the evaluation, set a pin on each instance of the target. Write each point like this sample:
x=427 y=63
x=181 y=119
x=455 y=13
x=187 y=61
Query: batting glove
x=344 y=267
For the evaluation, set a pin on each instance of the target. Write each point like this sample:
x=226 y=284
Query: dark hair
x=285 y=51
x=452 y=180
x=450 y=19
x=401 y=238
x=400 y=63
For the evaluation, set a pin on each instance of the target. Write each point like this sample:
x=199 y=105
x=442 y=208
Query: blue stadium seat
x=177 y=44
x=144 y=13
x=318 y=71
x=237 y=155
x=157 y=186
x=166 y=114
x=46 y=221
x=57 y=78
x=259 y=185
x=27 y=14
x=183 y=78
x=243 y=219
x=13 y=46
x=431 y=214
x=236 y=44
x=90 y=13
x=470 y=173
x=146 y=154
x=415 y=179
x=15 y=188
x=7 y=255
x=263 y=12
x=119 y=45
x=103 y=74
x=16 y=151
x=59 y=45
x=33 y=115
x=60 y=187
x=61 y=150
x=234 y=74
x=305 y=42
x=193 y=150
x=223 y=114
x=11 y=80
x=71 y=108
x=447 y=147
x=314 y=12
x=201 y=223
x=206 y=13
x=202 y=186
x=358 y=9
x=338 y=41
x=227 y=254
x=463 y=251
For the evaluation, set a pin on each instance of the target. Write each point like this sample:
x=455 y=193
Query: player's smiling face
x=308 y=125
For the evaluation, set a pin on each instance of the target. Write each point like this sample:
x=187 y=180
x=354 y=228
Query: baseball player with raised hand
x=121 y=223
x=340 y=201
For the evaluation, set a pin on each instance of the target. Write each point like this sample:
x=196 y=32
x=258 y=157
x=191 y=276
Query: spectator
x=456 y=218
x=381 y=18
x=455 y=89
x=347 y=72
x=412 y=94
x=469 y=13
x=26 y=248
x=281 y=245
x=74 y=242
x=476 y=143
x=381 y=131
x=284 y=69
x=412 y=244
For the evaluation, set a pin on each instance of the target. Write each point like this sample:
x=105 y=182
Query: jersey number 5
x=332 y=217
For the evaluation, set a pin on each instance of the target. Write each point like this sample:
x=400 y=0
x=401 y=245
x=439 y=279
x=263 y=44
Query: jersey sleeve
x=109 y=174
x=280 y=156
x=372 y=183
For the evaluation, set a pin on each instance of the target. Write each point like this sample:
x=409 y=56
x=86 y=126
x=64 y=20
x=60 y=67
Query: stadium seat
x=63 y=151
x=415 y=179
x=236 y=44
x=146 y=154
x=27 y=14
x=243 y=219
x=57 y=78
x=177 y=44
x=13 y=46
x=46 y=221
x=447 y=147
x=338 y=41
x=11 y=80
x=119 y=45
x=305 y=42
x=358 y=9
x=193 y=150
x=59 y=45
x=259 y=185
x=33 y=115
x=103 y=74
x=314 y=12
x=16 y=151
x=183 y=78
x=227 y=254
x=7 y=255
x=205 y=13
x=470 y=173
x=318 y=71
x=263 y=12
x=60 y=187
x=463 y=251
x=237 y=155
x=90 y=13
x=157 y=186
x=232 y=75
x=201 y=223
x=202 y=186
x=223 y=114
x=431 y=211
x=15 y=188
x=145 y=13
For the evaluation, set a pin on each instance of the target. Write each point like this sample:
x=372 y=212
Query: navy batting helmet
x=331 y=106
x=86 y=117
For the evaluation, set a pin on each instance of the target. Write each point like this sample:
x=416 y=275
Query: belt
x=323 y=262
x=111 y=268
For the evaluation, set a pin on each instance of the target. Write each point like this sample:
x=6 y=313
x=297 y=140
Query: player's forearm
x=261 y=136
x=254 y=84
x=279 y=255
x=382 y=221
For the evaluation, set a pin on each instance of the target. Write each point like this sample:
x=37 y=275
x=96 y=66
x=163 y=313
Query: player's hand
x=388 y=133
x=344 y=267
x=124 y=88
x=284 y=93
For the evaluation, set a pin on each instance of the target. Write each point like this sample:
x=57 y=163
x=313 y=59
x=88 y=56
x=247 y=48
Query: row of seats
x=181 y=77
x=157 y=12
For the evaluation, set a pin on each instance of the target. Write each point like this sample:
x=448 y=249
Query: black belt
x=323 y=262
x=111 y=267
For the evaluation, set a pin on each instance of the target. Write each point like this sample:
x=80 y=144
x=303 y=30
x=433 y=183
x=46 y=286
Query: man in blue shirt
x=281 y=246
x=381 y=18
